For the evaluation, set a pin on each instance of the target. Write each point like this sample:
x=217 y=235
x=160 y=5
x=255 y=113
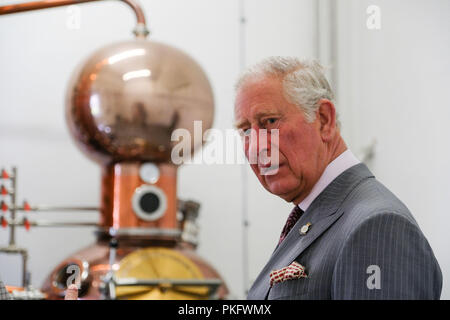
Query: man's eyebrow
x=263 y=113
x=240 y=124
x=257 y=115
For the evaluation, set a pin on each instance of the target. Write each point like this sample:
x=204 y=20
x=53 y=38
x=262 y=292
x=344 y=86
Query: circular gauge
x=149 y=172
x=159 y=263
x=149 y=202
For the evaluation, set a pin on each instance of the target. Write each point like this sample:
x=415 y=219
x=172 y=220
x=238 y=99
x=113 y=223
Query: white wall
x=38 y=53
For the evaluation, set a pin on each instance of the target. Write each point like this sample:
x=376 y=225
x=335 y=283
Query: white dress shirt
x=344 y=161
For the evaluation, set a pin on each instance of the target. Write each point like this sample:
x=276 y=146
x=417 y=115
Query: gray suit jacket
x=363 y=243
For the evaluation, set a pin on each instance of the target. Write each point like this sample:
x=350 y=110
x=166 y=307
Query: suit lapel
x=322 y=213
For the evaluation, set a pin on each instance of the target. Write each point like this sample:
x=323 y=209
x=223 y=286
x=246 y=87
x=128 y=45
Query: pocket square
x=293 y=271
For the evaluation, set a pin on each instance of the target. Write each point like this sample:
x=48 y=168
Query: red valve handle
x=3 y=191
x=4 y=222
x=26 y=223
x=26 y=206
x=5 y=174
x=4 y=206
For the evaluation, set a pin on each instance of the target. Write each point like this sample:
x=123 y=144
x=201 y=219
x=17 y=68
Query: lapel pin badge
x=305 y=228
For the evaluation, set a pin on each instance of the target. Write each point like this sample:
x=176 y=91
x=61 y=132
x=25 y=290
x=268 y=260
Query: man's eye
x=270 y=121
x=244 y=132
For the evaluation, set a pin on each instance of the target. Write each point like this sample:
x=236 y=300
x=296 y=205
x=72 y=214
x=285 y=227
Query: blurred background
x=388 y=62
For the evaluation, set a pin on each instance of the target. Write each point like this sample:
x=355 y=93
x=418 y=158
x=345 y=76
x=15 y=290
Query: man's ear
x=326 y=114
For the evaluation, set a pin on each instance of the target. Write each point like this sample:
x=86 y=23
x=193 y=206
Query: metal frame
x=111 y=283
x=140 y=30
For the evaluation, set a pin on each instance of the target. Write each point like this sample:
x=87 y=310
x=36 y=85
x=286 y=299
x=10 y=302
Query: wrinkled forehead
x=258 y=96
x=258 y=90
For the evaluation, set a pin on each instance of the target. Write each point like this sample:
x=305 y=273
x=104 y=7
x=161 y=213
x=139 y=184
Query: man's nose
x=259 y=140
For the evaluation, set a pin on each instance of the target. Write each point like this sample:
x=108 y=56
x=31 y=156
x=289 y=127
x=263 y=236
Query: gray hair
x=304 y=81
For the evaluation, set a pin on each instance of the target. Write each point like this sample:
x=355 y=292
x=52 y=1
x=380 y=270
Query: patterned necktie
x=291 y=220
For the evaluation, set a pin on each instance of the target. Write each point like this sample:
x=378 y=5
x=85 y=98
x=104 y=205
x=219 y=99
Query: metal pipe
x=183 y=205
x=173 y=282
x=12 y=231
x=113 y=244
x=140 y=30
x=212 y=284
x=25 y=280
x=144 y=232
x=51 y=208
x=44 y=223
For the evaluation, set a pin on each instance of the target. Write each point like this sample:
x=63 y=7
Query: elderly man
x=348 y=236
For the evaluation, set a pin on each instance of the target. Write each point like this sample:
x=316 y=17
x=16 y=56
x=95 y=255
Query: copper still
x=122 y=105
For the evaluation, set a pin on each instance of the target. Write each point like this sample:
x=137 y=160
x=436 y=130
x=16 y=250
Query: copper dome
x=126 y=99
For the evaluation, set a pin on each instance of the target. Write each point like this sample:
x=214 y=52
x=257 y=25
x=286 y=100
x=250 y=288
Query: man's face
x=261 y=104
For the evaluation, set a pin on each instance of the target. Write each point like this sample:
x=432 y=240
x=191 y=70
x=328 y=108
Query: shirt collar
x=344 y=161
